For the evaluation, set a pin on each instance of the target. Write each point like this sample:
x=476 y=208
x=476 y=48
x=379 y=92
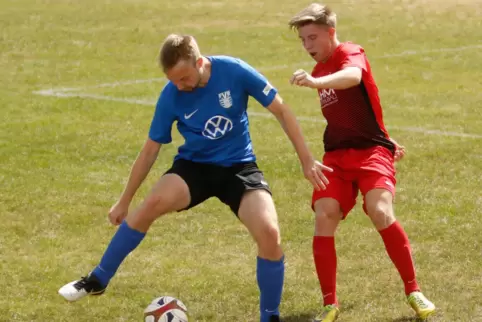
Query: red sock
x=324 y=254
x=398 y=248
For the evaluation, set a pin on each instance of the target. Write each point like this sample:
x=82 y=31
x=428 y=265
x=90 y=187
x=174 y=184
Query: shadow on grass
x=308 y=317
x=433 y=318
x=406 y=319
x=297 y=318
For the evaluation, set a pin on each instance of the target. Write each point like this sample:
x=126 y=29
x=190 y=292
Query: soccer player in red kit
x=358 y=149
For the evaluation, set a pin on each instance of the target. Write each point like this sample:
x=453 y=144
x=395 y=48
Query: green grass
x=64 y=161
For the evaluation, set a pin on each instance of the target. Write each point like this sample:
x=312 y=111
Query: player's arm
x=350 y=76
x=290 y=125
x=352 y=63
x=159 y=133
x=140 y=169
x=257 y=86
x=311 y=168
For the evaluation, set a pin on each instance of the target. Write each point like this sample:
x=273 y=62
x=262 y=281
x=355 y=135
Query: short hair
x=176 y=48
x=315 y=13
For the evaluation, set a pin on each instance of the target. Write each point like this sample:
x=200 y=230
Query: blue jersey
x=213 y=119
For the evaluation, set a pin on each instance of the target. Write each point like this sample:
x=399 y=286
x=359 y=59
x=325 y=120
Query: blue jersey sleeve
x=256 y=85
x=164 y=116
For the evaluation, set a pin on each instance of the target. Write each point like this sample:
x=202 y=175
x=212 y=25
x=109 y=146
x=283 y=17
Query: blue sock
x=124 y=241
x=270 y=276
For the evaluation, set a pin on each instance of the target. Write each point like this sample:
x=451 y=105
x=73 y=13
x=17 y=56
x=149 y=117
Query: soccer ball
x=165 y=309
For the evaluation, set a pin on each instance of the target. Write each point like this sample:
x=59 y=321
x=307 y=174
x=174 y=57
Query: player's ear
x=199 y=62
x=331 y=32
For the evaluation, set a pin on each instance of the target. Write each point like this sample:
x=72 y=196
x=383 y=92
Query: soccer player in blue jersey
x=207 y=96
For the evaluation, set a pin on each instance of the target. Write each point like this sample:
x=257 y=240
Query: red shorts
x=355 y=170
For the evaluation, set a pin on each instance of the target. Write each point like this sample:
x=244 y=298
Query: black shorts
x=228 y=184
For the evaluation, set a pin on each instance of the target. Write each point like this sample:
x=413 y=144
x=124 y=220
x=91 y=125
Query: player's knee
x=334 y=215
x=270 y=235
x=328 y=213
x=381 y=214
x=269 y=241
x=326 y=223
x=147 y=213
x=155 y=206
x=379 y=210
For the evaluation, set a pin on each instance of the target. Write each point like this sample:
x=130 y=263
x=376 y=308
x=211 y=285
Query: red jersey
x=354 y=115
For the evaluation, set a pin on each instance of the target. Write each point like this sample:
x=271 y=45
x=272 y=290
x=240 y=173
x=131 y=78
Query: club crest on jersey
x=225 y=99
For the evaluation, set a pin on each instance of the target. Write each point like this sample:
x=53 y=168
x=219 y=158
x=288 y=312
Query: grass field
x=65 y=157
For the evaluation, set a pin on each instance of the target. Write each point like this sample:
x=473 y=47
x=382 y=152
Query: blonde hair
x=315 y=13
x=176 y=48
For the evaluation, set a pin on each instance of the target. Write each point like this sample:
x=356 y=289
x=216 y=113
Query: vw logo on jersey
x=217 y=126
x=225 y=99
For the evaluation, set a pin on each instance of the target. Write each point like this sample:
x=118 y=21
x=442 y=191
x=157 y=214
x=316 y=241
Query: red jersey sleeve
x=352 y=55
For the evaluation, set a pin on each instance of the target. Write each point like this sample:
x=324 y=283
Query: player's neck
x=334 y=44
x=206 y=72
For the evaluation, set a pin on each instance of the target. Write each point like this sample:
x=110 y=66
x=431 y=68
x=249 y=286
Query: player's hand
x=399 y=153
x=302 y=78
x=314 y=174
x=117 y=213
x=399 y=150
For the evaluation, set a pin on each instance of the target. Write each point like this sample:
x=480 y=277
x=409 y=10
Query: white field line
x=253 y=113
x=277 y=67
x=75 y=91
